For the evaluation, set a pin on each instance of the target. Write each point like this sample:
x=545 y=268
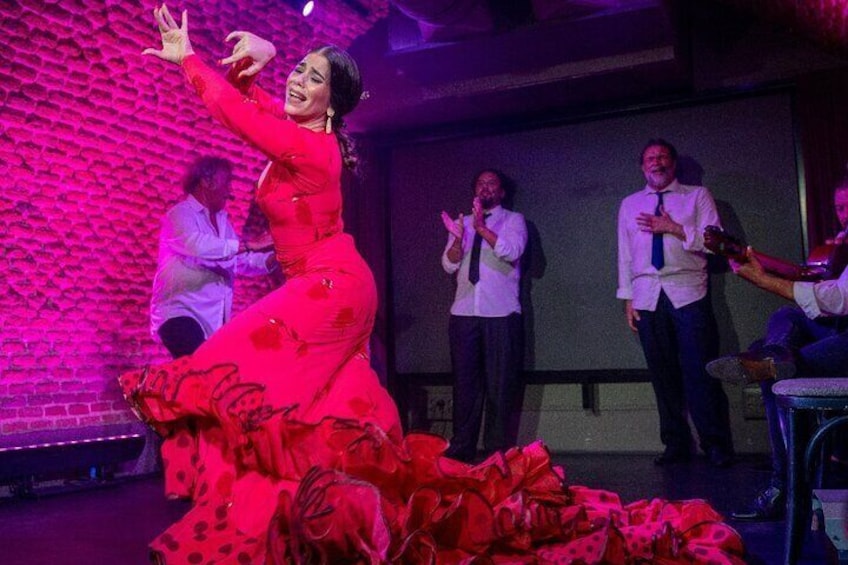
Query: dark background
x=570 y=180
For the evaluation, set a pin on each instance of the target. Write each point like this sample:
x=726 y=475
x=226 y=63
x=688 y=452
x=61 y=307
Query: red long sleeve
x=260 y=124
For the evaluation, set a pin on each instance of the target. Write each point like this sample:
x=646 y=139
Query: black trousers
x=486 y=355
x=678 y=343
x=181 y=336
x=820 y=348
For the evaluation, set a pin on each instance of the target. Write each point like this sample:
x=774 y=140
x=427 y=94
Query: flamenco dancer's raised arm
x=272 y=132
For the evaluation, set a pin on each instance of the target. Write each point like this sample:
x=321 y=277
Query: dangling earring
x=329 y=127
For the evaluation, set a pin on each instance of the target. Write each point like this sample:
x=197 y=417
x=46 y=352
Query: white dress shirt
x=197 y=267
x=496 y=293
x=684 y=275
x=825 y=298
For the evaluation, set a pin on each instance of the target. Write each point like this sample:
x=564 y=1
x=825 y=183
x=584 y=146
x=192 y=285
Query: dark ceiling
x=438 y=62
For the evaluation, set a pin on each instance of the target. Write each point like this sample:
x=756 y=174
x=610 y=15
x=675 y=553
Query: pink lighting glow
x=93 y=141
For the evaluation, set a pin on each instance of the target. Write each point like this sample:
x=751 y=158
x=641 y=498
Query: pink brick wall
x=93 y=141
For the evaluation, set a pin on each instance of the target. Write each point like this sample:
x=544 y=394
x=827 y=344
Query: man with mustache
x=662 y=278
x=809 y=338
x=484 y=251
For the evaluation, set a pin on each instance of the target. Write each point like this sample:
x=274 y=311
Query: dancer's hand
x=251 y=46
x=175 y=42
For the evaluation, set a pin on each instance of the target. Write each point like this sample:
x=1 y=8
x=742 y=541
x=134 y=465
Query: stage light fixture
x=305 y=7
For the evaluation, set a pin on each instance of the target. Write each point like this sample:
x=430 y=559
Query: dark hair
x=662 y=143
x=507 y=184
x=345 y=93
x=502 y=178
x=204 y=168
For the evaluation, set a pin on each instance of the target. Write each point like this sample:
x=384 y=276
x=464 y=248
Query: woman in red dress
x=278 y=429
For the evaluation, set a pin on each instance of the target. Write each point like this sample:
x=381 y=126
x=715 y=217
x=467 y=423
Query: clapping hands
x=455 y=227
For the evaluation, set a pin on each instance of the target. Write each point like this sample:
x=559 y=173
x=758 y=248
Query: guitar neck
x=782 y=268
x=825 y=261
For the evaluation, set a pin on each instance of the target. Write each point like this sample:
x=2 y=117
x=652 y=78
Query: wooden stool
x=797 y=396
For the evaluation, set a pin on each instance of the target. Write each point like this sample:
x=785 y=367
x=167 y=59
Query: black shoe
x=718 y=457
x=770 y=504
x=671 y=457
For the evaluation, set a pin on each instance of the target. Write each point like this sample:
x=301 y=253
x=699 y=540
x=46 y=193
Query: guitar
x=825 y=261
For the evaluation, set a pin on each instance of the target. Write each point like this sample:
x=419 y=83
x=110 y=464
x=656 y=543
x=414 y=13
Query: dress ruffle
x=341 y=490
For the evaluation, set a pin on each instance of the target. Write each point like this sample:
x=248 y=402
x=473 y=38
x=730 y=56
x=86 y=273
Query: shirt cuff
x=504 y=250
x=690 y=238
x=231 y=247
x=450 y=267
x=805 y=297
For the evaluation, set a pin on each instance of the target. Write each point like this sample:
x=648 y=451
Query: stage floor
x=111 y=524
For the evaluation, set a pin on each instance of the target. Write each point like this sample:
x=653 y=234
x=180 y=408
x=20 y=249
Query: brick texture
x=93 y=141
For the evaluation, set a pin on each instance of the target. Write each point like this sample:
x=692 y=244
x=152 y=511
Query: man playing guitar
x=807 y=338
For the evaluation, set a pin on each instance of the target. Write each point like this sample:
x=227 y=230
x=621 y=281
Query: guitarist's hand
x=660 y=224
x=751 y=270
x=631 y=313
x=840 y=239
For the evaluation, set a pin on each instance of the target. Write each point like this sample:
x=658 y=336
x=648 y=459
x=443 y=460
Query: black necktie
x=657 y=259
x=474 y=266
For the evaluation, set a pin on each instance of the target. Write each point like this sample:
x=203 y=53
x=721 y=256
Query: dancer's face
x=308 y=91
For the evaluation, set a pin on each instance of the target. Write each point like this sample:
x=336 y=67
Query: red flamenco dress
x=291 y=451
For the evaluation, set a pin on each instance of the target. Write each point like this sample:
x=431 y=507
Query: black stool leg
x=794 y=496
x=815 y=448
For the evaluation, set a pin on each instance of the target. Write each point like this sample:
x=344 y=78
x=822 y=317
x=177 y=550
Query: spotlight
x=305 y=7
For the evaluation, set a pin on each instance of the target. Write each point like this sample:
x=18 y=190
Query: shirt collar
x=494 y=211
x=673 y=186
x=195 y=203
x=200 y=208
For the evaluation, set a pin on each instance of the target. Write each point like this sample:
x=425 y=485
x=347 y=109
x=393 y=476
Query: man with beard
x=662 y=277
x=807 y=339
x=485 y=330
